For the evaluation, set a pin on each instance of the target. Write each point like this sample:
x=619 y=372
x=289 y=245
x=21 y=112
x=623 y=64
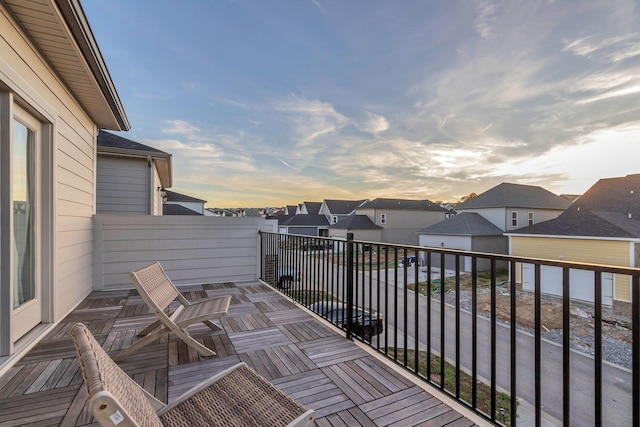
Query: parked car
x=365 y=324
x=314 y=245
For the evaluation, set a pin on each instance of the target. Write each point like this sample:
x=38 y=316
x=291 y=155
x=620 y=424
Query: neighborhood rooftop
x=516 y=195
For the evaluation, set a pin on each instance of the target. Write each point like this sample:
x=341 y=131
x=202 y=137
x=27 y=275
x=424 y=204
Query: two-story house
x=480 y=222
x=401 y=219
x=602 y=227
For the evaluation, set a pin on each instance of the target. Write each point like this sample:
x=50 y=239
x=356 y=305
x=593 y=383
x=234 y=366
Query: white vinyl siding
x=122 y=185
x=26 y=74
x=193 y=249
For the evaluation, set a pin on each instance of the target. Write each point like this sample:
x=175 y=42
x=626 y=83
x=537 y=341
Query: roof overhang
x=162 y=160
x=60 y=31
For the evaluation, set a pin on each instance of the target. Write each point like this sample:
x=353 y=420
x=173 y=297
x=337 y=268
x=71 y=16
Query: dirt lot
x=581 y=321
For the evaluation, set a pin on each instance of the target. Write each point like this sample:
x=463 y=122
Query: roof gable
x=516 y=196
x=306 y=220
x=355 y=222
x=173 y=196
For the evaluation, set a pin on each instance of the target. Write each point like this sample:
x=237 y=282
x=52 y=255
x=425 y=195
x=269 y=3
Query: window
x=334 y=219
x=383 y=218
x=514 y=219
x=530 y=218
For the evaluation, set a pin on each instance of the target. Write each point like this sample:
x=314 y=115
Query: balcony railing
x=478 y=326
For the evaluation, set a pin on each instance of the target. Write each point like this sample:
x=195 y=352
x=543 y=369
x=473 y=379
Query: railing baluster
x=635 y=322
x=395 y=303
x=457 y=391
x=566 y=347
x=443 y=291
x=429 y=316
x=537 y=348
x=416 y=310
x=350 y=274
x=378 y=293
x=494 y=319
x=598 y=349
x=513 y=331
x=405 y=295
x=386 y=300
x=474 y=332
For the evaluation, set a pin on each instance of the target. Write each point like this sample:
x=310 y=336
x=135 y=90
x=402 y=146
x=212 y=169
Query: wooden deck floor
x=294 y=350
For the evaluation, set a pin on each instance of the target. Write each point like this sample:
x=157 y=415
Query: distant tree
x=468 y=197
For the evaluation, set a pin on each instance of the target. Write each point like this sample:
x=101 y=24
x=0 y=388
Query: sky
x=273 y=103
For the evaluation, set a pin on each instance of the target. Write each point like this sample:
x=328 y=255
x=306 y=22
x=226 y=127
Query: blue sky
x=267 y=103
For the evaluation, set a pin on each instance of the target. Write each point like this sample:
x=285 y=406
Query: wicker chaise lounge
x=158 y=292
x=237 y=396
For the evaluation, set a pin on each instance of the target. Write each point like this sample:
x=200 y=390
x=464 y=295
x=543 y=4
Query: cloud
x=486 y=18
x=312 y=119
x=374 y=124
x=614 y=49
x=181 y=127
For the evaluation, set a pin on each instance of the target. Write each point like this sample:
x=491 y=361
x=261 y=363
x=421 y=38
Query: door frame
x=45 y=217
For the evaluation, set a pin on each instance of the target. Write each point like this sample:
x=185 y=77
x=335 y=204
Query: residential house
x=512 y=206
x=175 y=199
x=480 y=222
x=308 y=225
x=401 y=219
x=600 y=227
x=335 y=210
x=360 y=225
x=466 y=231
x=132 y=177
x=55 y=94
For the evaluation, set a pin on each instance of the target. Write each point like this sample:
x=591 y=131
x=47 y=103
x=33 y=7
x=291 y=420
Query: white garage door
x=581 y=283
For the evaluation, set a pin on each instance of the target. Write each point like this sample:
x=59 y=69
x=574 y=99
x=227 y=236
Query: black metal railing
x=494 y=332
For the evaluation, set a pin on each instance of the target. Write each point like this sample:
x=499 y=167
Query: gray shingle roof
x=403 y=204
x=516 y=196
x=343 y=207
x=107 y=139
x=313 y=207
x=173 y=196
x=355 y=222
x=309 y=220
x=171 y=209
x=610 y=208
x=464 y=224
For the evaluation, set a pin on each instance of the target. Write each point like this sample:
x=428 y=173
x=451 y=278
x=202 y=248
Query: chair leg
x=188 y=340
x=212 y=325
x=149 y=328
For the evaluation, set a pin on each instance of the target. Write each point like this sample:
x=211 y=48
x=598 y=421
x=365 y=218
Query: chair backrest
x=153 y=282
x=114 y=398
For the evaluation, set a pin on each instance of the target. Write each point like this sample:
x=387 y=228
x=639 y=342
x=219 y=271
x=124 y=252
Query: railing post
x=350 y=273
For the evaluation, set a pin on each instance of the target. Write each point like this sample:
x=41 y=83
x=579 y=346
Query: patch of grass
x=483 y=391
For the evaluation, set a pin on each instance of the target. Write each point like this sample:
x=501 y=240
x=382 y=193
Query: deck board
x=299 y=353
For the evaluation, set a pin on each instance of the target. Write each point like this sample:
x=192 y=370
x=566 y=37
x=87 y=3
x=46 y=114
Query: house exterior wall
x=192 y=249
x=402 y=226
x=73 y=145
x=608 y=252
x=501 y=217
x=122 y=185
x=367 y=235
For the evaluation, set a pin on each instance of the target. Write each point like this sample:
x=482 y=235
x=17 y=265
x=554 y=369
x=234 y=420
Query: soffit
x=60 y=31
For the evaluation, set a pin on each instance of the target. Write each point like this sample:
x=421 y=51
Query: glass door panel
x=24 y=289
